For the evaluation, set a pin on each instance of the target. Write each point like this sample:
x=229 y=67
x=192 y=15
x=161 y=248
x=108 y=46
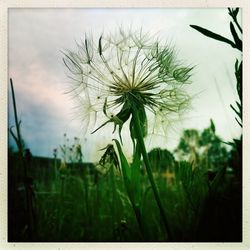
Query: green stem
x=19 y=139
x=139 y=137
x=20 y=151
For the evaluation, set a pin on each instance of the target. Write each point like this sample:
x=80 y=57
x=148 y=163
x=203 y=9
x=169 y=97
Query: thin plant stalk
x=149 y=171
x=19 y=138
x=19 y=143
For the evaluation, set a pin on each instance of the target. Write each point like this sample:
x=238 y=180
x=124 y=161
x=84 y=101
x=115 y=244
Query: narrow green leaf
x=229 y=11
x=135 y=176
x=239 y=106
x=236 y=65
x=237 y=112
x=237 y=40
x=238 y=75
x=126 y=170
x=212 y=126
x=238 y=121
x=101 y=126
x=235 y=12
x=213 y=35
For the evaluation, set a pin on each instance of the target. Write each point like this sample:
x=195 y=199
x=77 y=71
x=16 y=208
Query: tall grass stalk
x=138 y=131
x=19 y=141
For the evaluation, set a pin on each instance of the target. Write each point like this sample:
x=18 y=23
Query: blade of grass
x=237 y=40
x=126 y=170
x=213 y=35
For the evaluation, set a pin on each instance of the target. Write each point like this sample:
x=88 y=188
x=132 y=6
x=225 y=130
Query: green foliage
x=238 y=108
x=237 y=43
x=161 y=160
x=236 y=152
x=94 y=206
x=205 y=149
x=225 y=195
x=213 y=35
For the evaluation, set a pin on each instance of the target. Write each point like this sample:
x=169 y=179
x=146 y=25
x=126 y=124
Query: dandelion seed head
x=126 y=66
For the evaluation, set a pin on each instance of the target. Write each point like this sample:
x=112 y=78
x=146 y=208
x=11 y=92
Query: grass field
x=82 y=202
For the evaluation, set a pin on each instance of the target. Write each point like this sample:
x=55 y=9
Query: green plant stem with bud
x=137 y=127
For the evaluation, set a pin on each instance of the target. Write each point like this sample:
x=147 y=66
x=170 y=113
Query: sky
x=37 y=37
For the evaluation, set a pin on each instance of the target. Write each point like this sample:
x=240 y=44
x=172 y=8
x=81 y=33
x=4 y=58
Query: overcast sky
x=36 y=37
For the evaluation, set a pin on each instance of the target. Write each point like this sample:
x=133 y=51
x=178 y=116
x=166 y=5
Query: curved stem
x=139 y=137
